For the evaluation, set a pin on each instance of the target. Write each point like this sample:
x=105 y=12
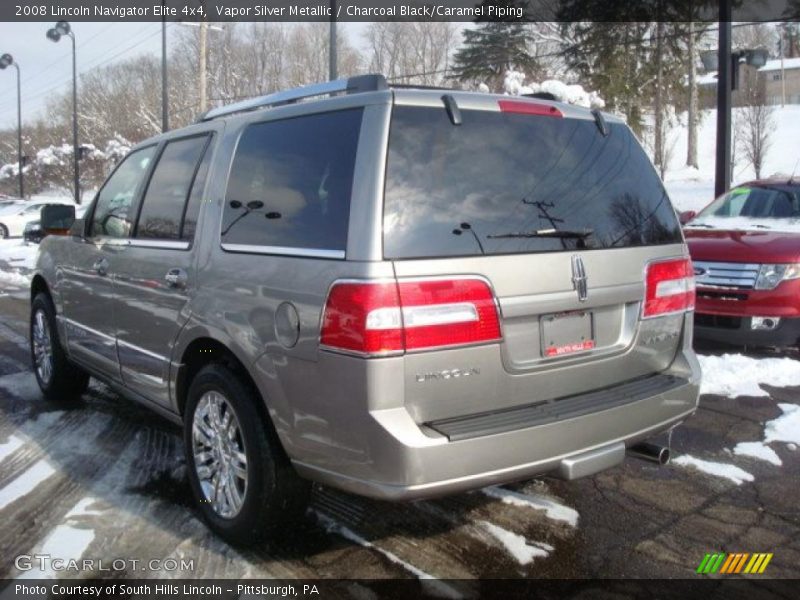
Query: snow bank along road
x=105 y=479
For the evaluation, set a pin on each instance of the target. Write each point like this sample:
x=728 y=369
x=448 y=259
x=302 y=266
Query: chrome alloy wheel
x=42 y=347
x=219 y=454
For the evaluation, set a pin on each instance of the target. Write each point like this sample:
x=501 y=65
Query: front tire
x=3 y=232
x=241 y=478
x=58 y=378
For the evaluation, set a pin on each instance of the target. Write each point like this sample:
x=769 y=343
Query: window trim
x=160 y=153
x=298 y=252
x=89 y=216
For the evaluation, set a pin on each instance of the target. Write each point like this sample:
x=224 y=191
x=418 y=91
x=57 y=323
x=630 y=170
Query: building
x=770 y=80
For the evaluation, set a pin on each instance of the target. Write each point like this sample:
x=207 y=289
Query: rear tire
x=59 y=379
x=242 y=481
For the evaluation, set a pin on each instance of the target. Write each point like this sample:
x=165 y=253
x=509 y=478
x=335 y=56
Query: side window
x=291 y=182
x=113 y=214
x=196 y=198
x=168 y=191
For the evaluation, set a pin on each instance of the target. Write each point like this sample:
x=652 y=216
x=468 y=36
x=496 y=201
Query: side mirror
x=687 y=216
x=57 y=219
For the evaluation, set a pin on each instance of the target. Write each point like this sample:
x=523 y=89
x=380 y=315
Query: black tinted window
x=291 y=181
x=168 y=191
x=114 y=212
x=501 y=183
x=196 y=198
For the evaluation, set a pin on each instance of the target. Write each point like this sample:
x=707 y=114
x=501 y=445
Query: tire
x=246 y=501
x=59 y=380
x=3 y=232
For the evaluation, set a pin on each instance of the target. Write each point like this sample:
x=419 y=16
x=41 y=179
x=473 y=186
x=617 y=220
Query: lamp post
x=333 y=67
x=55 y=34
x=8 y=61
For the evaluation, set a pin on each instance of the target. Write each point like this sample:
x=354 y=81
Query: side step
x=548 y=411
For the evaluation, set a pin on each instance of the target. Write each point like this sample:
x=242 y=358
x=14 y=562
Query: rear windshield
x=506 y=183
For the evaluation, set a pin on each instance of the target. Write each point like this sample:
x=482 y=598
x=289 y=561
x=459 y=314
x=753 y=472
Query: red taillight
x=387 y=318
x=529 y=108
x=669 y=287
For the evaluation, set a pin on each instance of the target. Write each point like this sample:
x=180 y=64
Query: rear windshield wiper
x=546 y=233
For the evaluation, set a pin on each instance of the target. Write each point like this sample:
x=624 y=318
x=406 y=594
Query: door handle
x=176 y=278
x=101 y=267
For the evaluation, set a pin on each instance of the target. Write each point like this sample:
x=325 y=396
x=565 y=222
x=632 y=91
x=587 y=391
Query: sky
x=46 y=67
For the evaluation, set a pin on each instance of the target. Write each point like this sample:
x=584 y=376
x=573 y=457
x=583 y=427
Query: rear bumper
x=737 y=331
x=413 y=465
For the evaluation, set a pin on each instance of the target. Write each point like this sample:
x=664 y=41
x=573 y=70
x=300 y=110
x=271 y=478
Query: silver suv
x=401 y=293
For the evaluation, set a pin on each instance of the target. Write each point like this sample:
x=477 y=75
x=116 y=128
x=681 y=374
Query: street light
x=8 y=61
x=55 y=34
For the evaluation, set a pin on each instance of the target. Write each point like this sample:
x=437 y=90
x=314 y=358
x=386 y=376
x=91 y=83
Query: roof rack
x=353 y=85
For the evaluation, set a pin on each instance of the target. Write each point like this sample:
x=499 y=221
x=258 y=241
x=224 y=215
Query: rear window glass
x=291 y=182
x=505 y=183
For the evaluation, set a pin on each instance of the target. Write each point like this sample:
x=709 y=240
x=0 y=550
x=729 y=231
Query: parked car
x=13 y=218
x=746 y=251
x=401 y=293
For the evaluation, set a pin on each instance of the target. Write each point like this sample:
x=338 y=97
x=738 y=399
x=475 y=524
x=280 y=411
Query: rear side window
x=291 y=182
x=505 y=183
x=168 y=191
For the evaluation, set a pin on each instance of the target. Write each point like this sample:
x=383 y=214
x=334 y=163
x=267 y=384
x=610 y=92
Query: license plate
x=567 y=333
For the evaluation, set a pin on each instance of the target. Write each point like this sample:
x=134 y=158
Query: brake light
x=529 y=108
x=382 y=318
x=669 y=287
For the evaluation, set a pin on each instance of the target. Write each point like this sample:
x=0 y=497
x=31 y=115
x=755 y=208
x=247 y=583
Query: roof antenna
x=794 y=172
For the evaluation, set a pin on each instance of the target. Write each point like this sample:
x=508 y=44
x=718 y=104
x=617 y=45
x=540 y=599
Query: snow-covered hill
x=692 y=189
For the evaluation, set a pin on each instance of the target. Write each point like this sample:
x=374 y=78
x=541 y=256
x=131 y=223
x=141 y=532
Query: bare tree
x=754 y=127
x=411 y=52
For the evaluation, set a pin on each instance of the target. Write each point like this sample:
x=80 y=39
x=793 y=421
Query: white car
x=14 y=218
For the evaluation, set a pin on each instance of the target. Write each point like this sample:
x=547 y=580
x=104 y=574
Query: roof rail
x=353 y=85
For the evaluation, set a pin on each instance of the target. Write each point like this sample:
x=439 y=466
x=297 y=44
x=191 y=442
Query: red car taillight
x=380 y=318
x=669 y=287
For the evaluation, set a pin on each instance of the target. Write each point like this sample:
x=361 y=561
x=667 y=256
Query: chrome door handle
x=101 y=267
x=176 y=278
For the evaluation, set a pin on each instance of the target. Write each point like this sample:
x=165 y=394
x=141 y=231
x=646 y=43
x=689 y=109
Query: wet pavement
x=105 y=478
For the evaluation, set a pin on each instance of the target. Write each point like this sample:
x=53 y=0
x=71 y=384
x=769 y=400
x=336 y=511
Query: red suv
x=746 y=252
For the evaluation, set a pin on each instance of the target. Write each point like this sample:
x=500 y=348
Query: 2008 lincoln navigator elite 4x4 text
x=398 y=292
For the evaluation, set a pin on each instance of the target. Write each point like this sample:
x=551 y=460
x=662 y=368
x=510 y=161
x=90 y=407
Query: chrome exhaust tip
x=652 y=452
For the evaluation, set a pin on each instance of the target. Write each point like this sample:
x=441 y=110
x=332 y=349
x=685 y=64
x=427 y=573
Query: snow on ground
x=693 y=189
x=552 y=509
x=758 y=450
x=436 y=587
x=785 y=428
x=516 y=545
x=731 y=472
x=24 y=483
x=16 y=260
x=736 y=375
x=67 y=542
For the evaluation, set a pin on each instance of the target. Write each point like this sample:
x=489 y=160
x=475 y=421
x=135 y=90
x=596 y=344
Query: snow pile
x=745 y=224
x=516 y=545
x=736 y=375
x=785 y=428
x=514 y=85
x=18 y=254
x=758 y=450
x=731 y=472
x=53 y=155
x=553 y=510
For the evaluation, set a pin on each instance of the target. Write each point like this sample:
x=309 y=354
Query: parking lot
x=105 y=479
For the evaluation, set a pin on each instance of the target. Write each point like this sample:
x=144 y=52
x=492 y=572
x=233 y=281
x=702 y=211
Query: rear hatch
x=559 y=213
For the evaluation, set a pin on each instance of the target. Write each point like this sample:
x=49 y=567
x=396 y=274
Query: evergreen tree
x=493 y=47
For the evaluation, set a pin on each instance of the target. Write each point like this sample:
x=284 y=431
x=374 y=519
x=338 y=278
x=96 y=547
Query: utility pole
x=722 y=180
x=164 y=81
x=333 y=71
x=203 y=67
x=783 y=72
